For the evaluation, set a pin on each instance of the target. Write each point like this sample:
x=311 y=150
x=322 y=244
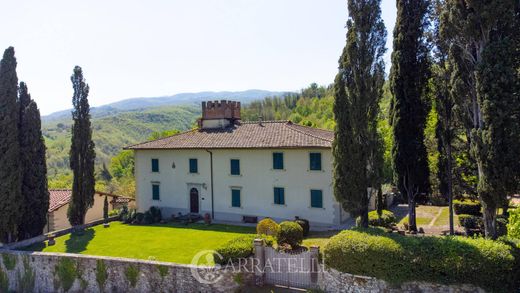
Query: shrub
x=513 y=227
x=101 y=274
x=290 y=233
x=147 y=218
x=387 y=219
x=234 y=249
x=66 y=271
x=304 y=224
x=398 y=259
x=268 y=227
x=114 y=213
x=501 y=226
x=470 y=221
x=139 y=217
x=468 y=207
x=156 y=214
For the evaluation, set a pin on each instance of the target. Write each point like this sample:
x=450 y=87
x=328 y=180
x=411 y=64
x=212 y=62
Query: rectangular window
x=315 y=161
x=235 y=167
x=194 y=166
x=278 y=161
x=156 y=193
x=316 y=198
x=235 y=198
x=155 y=165
x=279 y=195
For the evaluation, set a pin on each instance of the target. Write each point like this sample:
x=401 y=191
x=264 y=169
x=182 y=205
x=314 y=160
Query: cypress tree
x=10 y=177
x=484 y=56
x=35 y=192
x=445 y=129
x=82 y=154
x=408 y=82
x=358 y=89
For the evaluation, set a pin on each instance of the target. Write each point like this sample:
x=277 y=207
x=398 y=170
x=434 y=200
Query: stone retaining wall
x=333 y=281
x=53 y=272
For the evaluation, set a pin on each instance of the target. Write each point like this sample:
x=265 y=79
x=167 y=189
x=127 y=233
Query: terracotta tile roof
x=61 y=197
x=244 y=135
x=58 y=198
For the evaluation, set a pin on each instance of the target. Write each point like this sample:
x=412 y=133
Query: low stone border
x=42 y=238
x=63 y=272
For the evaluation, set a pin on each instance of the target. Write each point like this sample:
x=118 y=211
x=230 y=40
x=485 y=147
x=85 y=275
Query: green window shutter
x=235 y=167
x=278 y=161
x=235 y=198
x=156 y=192
x=194 y=166
x=155 y=165
x=315 y=161
x=279 y=195
x=316 y=198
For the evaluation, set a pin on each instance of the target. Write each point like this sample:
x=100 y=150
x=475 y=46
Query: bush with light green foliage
x=468 y=207
x=513 y=227
x=447 y=260
x=387 y=219
x=268 y=226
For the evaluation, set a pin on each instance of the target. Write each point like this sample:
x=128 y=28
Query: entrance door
x=194 y=201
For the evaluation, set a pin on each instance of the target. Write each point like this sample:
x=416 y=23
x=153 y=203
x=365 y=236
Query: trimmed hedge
x=234 y=249
x=468 y=207
x=268 y=226
x=470 y=221
x=387 y=220
x=398 y=259
x=290 y=233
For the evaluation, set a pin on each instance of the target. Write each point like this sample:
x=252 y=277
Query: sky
x=138 y=48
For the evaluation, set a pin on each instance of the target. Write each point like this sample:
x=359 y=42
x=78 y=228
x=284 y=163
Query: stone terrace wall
x=333 y=281
x=22 y=268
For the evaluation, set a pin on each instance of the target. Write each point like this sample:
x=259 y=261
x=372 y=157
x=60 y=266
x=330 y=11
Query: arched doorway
x=194 y=200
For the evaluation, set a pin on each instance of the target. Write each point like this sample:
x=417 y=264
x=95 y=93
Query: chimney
x=219 y=114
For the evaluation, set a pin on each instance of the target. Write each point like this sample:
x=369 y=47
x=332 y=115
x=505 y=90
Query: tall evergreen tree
x=444 y=104
x=35 y=192
x=82 y=154
x=408 y=82
x=10 y=177
x=358 y=90
x=484 y=55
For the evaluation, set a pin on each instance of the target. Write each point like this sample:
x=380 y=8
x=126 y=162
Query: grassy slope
x=170 y=242
x=112 y=133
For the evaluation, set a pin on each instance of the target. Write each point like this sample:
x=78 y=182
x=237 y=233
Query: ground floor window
x=316 y=198
x=235 y=198
x=279 y=195
x=156 y=191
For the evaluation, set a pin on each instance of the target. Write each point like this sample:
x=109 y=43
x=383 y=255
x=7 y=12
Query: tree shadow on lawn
x=224 y=228
x=78 y=241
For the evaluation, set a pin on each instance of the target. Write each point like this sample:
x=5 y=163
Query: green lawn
x=169 y=242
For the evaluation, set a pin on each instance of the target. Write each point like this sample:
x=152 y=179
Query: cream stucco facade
x=256 y=183
x=57 y=220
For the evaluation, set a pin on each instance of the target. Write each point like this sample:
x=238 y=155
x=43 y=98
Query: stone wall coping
x=107 y=258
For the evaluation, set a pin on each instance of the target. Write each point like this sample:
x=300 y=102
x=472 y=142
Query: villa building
x=239 y=171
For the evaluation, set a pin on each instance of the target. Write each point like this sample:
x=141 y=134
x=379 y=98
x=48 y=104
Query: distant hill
x=130 y=121
x=175 y=100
